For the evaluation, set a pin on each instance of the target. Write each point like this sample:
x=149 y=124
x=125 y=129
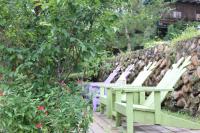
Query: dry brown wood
x=185 y=78
x=193 y=46
x=177 y=94
x=198 y=71
x=185 y=89
x=191 y=67
x=181 y=103
x=195 y=60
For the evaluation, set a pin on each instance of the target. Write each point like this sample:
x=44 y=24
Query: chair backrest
x=112 y=75
x=169 y=80
x=93 y=87
x=122 y=78
x=143 y=75
x=124 y=75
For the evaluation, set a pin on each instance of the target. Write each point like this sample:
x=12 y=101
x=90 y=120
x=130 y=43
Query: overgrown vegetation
x=180 y=31
x=41 y=43
x=176 y=29
x=188 y=33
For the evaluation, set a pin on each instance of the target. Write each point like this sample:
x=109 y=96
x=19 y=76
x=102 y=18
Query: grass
x=189 y=33
x=182 y=115
x=154 y=43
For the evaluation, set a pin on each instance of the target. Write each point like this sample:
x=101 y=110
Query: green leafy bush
x=176 y=29
x=58 y=108
x=41 y=43
x=188 y=33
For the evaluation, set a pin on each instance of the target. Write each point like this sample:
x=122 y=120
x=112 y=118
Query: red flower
x=46 y=112
x=62 y=83
x=40 y=108
x=39 y=125
x=79 y=81
x=1 y=93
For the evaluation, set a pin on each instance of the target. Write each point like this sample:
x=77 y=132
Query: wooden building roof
x=190 y=1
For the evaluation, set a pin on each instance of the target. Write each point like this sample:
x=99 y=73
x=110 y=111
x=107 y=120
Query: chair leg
x=101 y=108
x=129 y=113
x=118 y=119
x=130 y=125
x=113 y=103
x=109 y=103
x=95 y=103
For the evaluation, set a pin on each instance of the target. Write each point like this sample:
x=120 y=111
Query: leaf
x=72 y=39
x=58 y=1
x=1 y=46
x=9 y=114
x=65 y=33
x=45 y=24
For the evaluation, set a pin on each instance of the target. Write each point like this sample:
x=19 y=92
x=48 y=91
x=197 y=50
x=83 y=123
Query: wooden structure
x=94 y=90
x=101 y=124
x=109 y=100
x=94 y=86
x=150 y=111
x=187 y=10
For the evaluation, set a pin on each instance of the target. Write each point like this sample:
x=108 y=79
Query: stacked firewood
x=186 y=96
x=187 y=92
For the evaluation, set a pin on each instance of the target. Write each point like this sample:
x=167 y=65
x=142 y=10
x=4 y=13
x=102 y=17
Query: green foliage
x=140 y=20
x=64 y=109
x=92 y=64
x=153 y=43
x=176 y=29
x=188 y=33
x=182 y=114
x=41 y=43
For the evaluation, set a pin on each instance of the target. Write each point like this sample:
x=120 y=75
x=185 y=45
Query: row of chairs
x=121 y=99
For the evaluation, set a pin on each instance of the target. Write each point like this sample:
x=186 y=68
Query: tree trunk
x=128 y=39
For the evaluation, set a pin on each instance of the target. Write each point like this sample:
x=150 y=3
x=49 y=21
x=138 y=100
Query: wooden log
x=191 y=67
x=177 y=94
x=185 y=89
x=198 y=71
x=192 y=46
x=185 y=78
x=181 y=103
x=195 y=60
x=198 y=111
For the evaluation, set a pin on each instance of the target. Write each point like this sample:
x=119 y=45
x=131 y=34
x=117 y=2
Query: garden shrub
x=41 y=43
x=176 y=29
x=59 y=109
x=188 y=33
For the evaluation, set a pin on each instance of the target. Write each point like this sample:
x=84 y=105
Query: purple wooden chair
x=95 y=90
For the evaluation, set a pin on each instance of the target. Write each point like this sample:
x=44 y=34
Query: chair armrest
x=92 y=83
x=104 y=85
x=131 y=88
x=146 y=89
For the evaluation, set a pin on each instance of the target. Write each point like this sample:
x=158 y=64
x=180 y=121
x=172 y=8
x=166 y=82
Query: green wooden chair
x=150 y=111
x=108 y=100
